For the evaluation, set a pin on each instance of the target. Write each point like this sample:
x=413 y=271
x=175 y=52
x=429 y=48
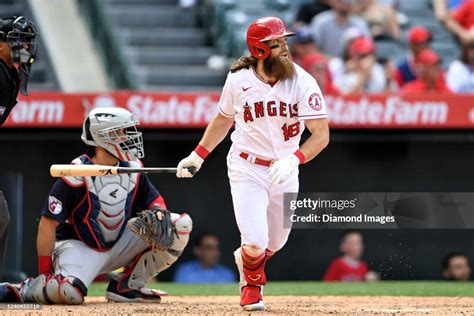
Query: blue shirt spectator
x=205 y=268
x=194 y=272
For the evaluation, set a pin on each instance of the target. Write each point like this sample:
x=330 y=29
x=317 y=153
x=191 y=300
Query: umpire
x=17 y=48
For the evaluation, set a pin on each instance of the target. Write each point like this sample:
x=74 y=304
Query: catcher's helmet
x=262 y=30
x=114 y=129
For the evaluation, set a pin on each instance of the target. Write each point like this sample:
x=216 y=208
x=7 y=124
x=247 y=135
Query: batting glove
x=281 y=169
x=193 y=160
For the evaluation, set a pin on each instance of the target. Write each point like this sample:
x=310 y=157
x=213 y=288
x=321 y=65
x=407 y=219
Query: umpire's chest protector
x=100 y=220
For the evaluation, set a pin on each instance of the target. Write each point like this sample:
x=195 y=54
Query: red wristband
x=45 y=264
x=201 y=151
x=300 y=156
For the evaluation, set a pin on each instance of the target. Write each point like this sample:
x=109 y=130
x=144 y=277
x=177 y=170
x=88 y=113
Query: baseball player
x=83 y=229
x=271 y=100
x=17 y=47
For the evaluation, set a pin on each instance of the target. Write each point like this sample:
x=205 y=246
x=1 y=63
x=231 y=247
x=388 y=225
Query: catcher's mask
x=115 y=130
x=21 y=34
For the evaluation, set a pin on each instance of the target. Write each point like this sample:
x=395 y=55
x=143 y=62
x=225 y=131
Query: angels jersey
x=269 y=120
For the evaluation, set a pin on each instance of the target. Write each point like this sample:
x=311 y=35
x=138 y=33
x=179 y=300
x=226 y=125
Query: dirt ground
x=287 y=305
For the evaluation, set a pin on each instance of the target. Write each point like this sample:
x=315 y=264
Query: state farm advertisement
x=195 y=110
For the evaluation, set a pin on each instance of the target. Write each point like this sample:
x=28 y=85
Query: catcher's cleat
x=9 y=293
x=251 y=298
x=118 y=291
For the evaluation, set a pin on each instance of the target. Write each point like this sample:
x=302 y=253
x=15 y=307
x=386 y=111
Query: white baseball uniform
x=269 y=123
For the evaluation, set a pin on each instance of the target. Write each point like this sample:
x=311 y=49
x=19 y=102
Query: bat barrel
x=81 y=170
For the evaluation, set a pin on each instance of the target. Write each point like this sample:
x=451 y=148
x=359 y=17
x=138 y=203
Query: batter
x=271 y=100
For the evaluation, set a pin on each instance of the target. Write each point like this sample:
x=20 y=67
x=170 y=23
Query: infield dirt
x=286 y=305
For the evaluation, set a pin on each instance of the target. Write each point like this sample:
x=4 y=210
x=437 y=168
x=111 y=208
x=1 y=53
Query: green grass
x=390 y=288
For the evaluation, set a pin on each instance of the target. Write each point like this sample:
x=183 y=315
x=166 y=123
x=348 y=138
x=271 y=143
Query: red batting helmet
x=265 y=29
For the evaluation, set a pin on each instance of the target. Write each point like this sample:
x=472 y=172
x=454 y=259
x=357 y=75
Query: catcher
x=94 y=225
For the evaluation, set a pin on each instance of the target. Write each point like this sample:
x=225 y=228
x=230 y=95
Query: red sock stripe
x=201 y=151
x=45 y=264
x=268 y=253
x=250 y=262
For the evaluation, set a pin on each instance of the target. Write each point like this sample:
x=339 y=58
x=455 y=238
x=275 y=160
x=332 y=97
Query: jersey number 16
x=291 y=130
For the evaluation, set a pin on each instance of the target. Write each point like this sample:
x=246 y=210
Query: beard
x=279 y=68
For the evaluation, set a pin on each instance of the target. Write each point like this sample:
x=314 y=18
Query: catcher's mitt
x=158 y=233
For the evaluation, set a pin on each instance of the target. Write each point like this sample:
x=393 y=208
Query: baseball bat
x=100 y=170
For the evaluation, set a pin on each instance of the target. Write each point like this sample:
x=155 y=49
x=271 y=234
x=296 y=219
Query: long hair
x=243 y=62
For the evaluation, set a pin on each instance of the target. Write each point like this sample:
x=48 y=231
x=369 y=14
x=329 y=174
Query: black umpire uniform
x=20 y=34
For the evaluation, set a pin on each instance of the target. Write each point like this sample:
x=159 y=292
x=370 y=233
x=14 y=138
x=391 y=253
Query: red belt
x=255 y=160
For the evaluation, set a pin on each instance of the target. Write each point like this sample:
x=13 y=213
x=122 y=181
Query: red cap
x=418 y=34
x=312 y=59
x=427 y=57
x=362 y=45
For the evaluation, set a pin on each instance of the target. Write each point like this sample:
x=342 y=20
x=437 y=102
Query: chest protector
x=101 y=218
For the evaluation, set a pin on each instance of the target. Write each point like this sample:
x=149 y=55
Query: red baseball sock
x=268 y=254
x=253 y=268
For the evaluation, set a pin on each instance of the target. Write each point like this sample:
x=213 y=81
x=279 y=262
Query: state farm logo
x=314 y=102
x=173 y=110
x=391 y=111
x=38 y=111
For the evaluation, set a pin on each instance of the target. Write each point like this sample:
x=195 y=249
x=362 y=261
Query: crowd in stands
x=349 y=266
x=336 y=43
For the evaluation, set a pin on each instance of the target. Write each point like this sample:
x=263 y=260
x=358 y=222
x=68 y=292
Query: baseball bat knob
x=192 y=170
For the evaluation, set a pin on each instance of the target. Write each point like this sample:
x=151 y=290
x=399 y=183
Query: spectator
x=308 y=11
x=431 y=78
x=302 y=44
x=460 y=75
x=205 y=269
x=461 y=22
x=390 y=69
x=402 y=19
x=382 y=19
x=359 y=72
x=317 y=66
x=349 y=267
x=328 y=27
x=419 y=38
x=441 y=8
x=456 y=267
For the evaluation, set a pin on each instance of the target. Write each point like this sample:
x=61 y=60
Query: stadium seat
x=163 y=44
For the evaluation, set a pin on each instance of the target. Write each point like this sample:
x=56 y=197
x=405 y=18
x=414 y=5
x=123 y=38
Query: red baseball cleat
x=251 y=298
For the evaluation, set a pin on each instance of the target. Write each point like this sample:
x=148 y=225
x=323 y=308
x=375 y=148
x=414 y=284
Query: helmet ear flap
x=258 y=49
